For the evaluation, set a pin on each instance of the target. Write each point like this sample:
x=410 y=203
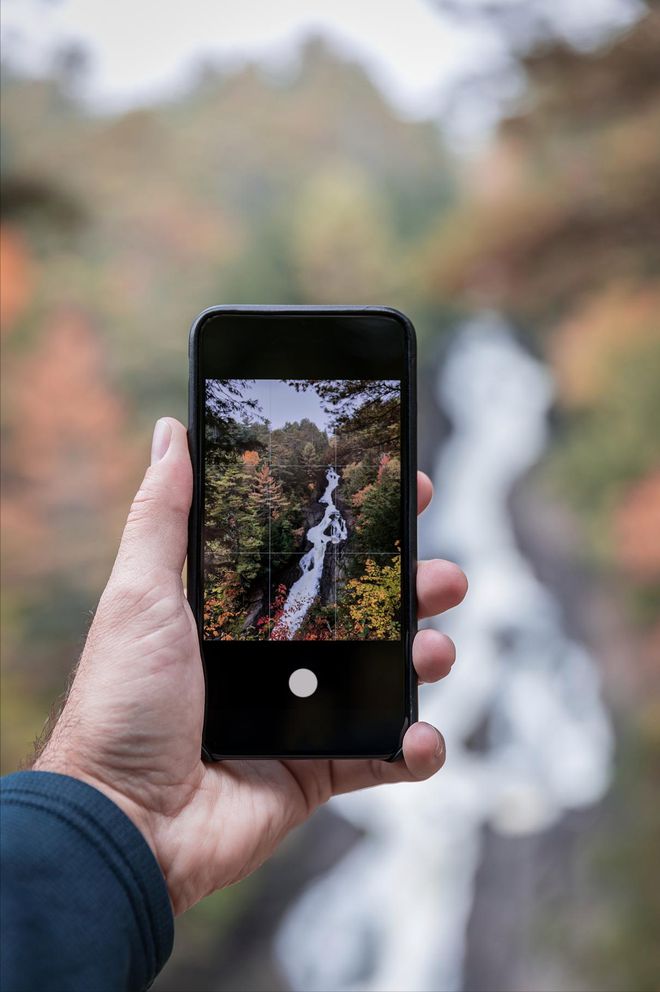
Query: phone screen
x=302 y=509
x=302 y=551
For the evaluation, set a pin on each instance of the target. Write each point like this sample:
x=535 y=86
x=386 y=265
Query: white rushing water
x=393 y=913
x=330 y=530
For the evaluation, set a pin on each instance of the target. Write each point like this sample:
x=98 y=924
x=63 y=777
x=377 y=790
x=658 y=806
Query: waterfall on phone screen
x=331 y=529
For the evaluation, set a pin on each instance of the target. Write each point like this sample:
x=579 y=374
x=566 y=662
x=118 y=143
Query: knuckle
x=153 y=597
x=143 y=505
x=150 y=501
x=379 y=770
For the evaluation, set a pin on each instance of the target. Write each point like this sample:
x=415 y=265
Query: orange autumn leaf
x=637 y=529
x=70 y=469
x=588 y=347
x=384 y=461
x=16 y=276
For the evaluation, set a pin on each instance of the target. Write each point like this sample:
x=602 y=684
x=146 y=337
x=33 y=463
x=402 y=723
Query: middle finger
x=433 y=655
x=440 y=585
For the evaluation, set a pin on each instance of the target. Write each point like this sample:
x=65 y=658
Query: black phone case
x=409 y=495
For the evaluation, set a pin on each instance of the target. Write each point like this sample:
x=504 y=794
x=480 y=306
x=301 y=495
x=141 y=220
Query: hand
x=132 y=723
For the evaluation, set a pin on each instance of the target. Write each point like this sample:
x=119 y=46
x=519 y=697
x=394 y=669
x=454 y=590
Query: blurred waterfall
x=393 y=913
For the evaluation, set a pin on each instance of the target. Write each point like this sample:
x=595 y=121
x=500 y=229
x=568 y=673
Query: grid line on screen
x=332 y=464
x=270 y=512
x=335 y=584
x=300 y=554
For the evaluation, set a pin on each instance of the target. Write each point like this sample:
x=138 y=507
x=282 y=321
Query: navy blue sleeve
x=84 y=904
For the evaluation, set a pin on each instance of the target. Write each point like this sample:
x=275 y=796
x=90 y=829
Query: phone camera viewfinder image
x=302 y=510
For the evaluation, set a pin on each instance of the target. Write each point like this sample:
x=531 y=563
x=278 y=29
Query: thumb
x=156 y=532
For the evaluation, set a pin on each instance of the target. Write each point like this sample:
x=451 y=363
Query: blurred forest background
x=248 y=187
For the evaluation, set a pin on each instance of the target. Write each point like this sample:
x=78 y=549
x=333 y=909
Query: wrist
x=52 y=760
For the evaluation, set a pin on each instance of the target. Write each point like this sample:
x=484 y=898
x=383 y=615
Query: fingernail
x=439 y=750
x=161 y=440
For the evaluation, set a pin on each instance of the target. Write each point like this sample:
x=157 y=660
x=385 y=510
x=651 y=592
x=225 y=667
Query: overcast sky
x=280 y=403
x=142 y=49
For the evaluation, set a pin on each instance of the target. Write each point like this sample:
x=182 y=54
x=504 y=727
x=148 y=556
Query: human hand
x=132 y=723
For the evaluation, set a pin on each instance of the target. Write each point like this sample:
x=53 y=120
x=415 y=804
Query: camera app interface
x=302 y=509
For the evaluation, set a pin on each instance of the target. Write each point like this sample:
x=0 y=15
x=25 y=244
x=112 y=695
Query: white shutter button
x=303 y=682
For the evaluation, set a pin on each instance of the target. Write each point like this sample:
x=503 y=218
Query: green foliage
x=613 y=443
x=365 y=415
x=297 y=448
x=234 y=517
x=379 y=524
x=374 y=600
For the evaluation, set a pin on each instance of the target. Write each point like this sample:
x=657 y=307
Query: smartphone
x=302 y=544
